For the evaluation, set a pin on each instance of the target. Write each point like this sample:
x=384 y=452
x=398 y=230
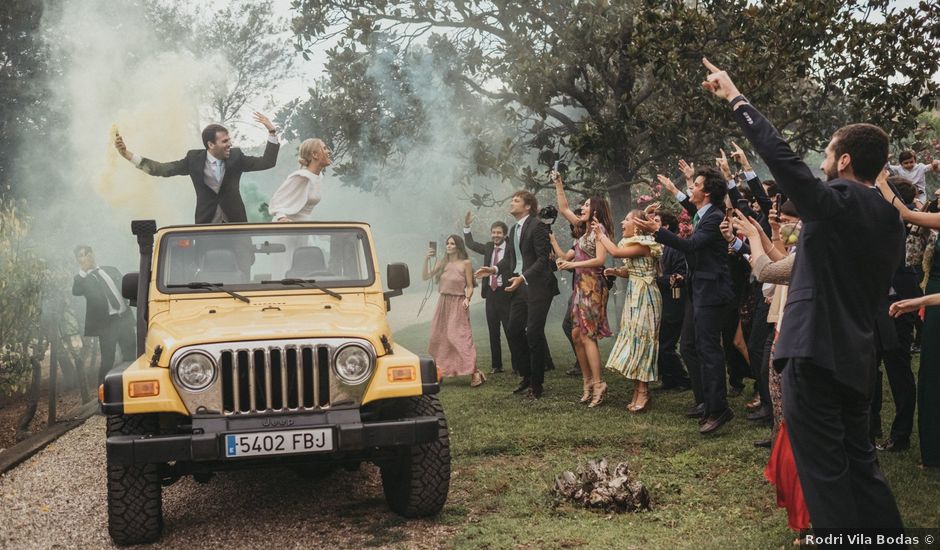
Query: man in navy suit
x=849 y=249
x=706 y=253
x=492 y=289
x=215 y=171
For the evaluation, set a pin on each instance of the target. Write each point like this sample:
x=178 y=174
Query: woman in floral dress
x=637 y=346
x=589 y=304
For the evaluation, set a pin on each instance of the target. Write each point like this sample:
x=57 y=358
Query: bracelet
x=894 y=198
x=738 y=99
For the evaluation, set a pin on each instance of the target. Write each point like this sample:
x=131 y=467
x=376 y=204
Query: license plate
x=276 y=443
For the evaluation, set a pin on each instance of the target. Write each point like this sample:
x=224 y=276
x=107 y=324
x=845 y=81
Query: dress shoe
x=536 y=392
x=523 y=386
x=574 y=371
x=697 y=411
x=763 y=444
x=497 y=371
x=677 y=387
x=715 y=422
x=894 y=445
x=735 y=391
x=760 y=414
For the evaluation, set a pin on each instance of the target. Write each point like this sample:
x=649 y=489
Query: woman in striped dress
x=637 y=346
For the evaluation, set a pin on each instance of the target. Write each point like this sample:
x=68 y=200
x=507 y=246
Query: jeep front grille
x=275 y=379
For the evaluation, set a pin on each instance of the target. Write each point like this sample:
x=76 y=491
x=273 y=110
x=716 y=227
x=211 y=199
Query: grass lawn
x=707 y=492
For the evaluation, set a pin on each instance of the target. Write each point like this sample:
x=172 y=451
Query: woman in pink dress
x=451 y=342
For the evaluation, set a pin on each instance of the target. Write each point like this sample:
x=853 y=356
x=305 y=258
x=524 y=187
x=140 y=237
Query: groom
x=216 y=171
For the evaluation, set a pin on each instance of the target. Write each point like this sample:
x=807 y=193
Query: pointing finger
x=709 y=66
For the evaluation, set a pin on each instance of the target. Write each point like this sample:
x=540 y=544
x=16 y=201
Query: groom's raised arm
x=812 y=198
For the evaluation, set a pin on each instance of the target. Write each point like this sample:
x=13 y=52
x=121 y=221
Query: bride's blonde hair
x=305 y=154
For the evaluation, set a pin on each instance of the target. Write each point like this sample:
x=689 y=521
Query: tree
x=247 y=35
x=614 y=88
x=23 y=68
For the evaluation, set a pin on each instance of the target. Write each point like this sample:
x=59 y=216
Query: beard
x=831 y=173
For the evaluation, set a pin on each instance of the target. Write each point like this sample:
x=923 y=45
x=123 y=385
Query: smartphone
x=743 y=205
x=555 y=166
x=433 y=246
x=778 y=202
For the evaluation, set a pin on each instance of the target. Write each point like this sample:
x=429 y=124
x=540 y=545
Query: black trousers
x=711 y=356
x=497 y=314
x=827 y=423
x=119 y=331
x=526 y=335
x=897 y=363
x=690 y=354
x=670 y=367
x=756 y=342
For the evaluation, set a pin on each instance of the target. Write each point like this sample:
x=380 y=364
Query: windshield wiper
x=308 y=283
x=212 y=286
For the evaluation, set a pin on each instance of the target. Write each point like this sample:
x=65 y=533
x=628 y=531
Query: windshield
x=240 y=259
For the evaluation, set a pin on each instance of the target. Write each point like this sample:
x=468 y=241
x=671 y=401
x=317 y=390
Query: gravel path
x=57 y=500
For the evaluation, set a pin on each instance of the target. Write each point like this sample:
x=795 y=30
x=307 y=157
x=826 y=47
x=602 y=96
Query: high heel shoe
x=588 y=391
x=600 y=390
x=646 y=404
x=477 y=379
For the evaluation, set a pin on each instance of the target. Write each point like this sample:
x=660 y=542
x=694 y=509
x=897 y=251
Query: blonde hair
x=305 y=153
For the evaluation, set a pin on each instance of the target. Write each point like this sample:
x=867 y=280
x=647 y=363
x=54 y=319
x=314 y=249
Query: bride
x=295 y=198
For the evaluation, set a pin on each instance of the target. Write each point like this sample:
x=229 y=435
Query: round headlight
x=196 y=371
x=352 y=364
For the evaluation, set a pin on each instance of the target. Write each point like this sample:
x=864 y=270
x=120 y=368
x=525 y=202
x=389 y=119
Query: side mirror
x=129 y=287
x=398 y=276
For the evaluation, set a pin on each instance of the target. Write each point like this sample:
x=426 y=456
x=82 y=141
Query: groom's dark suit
x=229 y=197
x=530 y=302
x=849 y=248
x=706 y=253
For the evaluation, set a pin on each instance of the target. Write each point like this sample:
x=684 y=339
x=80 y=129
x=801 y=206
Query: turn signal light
x=401 y=374
x=146 y=388
x=101 y=393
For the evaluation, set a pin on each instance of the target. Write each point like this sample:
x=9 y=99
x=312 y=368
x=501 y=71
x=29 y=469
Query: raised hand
x=431 y=252
x=468 y=219
x=738 y=155
x=650 y=226
x=722 y=163
x=688 y=170
x=667 y=183
x=122 y=148
x=726 y=230
x=555 y=176
x=652 y=208
x=263 y=120
x=718 y=82
x=748 y=226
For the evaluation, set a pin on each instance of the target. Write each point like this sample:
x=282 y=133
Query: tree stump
x=595 y=486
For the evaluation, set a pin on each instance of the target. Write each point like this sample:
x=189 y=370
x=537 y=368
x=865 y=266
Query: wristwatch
x=738 y=99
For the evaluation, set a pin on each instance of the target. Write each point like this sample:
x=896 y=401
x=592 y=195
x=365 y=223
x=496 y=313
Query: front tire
x=416 y=482
x=135 y=507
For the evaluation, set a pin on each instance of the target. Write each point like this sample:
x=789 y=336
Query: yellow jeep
x=263 y=344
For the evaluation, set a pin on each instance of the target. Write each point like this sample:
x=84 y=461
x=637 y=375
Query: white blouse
x=297 y=196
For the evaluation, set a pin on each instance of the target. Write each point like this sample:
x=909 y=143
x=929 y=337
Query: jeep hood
x=186 y=324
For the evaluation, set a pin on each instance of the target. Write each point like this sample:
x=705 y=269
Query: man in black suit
x=849 y=248
x=216 y=171
x=673 y=275
x=706 y=254
x=532 y=283
x=107 y=315
x=492 y=289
